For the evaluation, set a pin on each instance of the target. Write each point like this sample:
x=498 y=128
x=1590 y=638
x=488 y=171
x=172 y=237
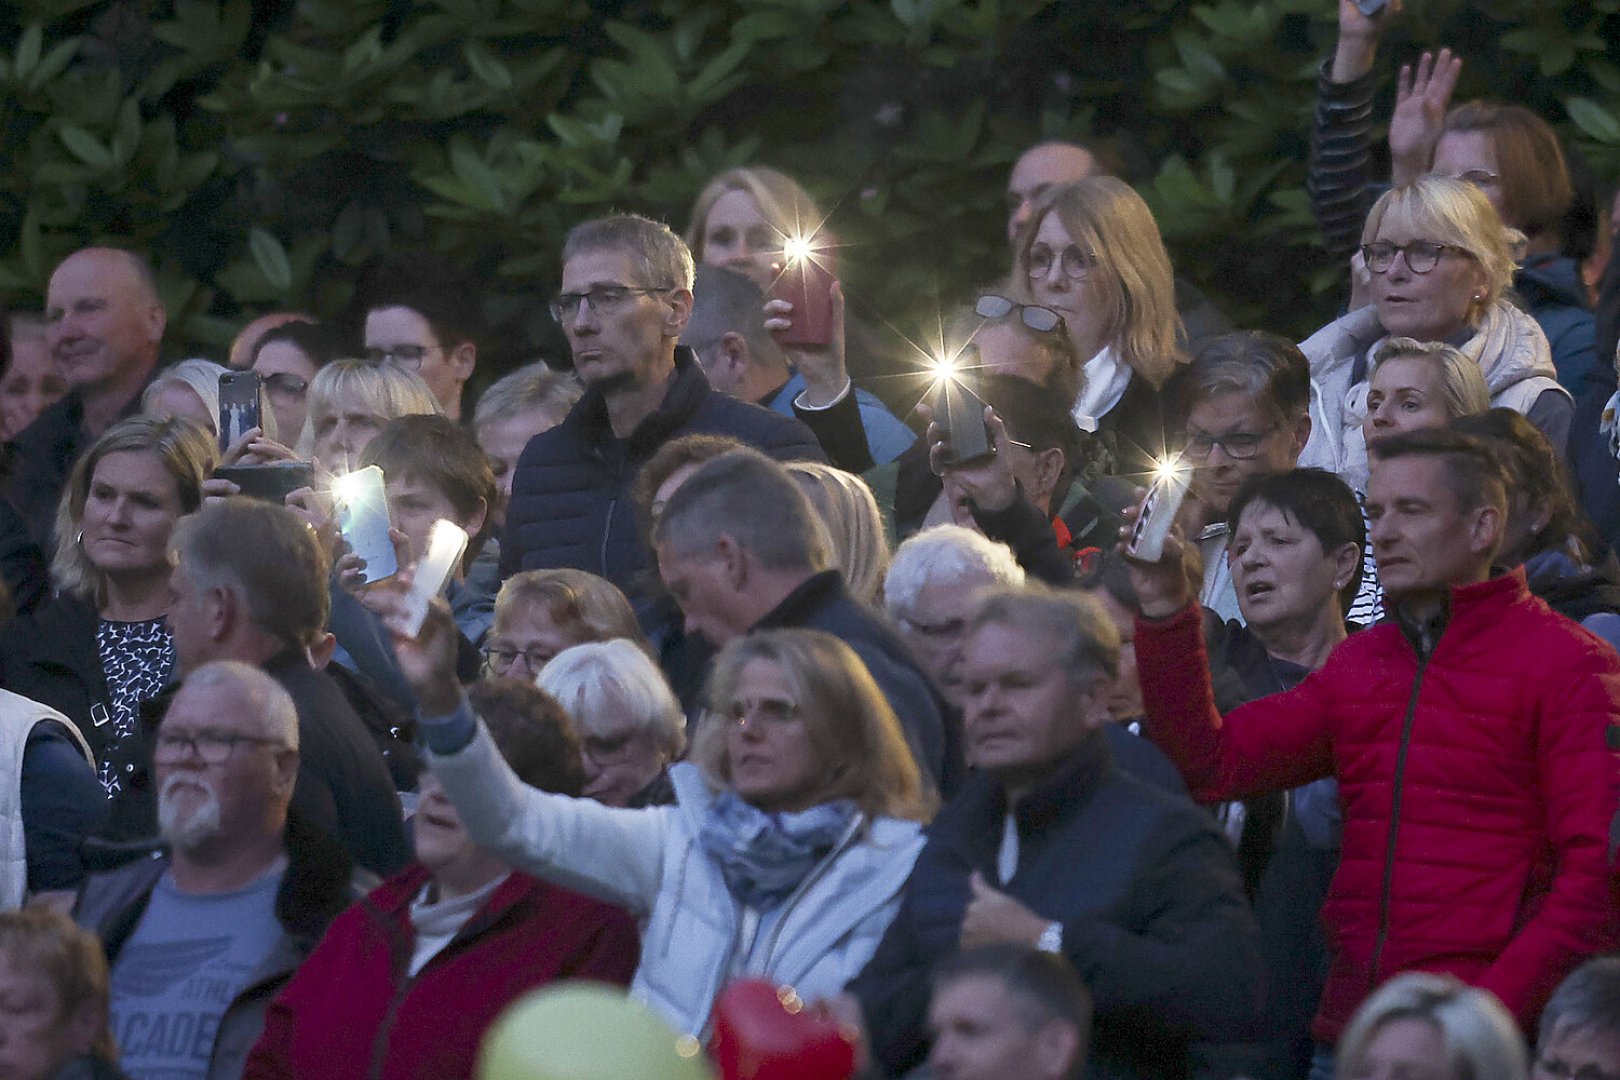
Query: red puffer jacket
x=1478 y=788
x=352 y=1012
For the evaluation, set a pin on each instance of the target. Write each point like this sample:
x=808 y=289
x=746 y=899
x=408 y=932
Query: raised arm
x=1339 y=178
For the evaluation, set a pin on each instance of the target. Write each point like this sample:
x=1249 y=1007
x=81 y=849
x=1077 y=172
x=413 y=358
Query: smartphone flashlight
x=1168 y=491
x=446 y=544
x=362 y=518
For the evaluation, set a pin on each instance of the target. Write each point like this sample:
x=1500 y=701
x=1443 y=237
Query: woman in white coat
x=795 y=825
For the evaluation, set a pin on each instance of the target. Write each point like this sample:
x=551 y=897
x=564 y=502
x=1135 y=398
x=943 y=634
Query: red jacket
x=1477 y=786
x=352 y=1012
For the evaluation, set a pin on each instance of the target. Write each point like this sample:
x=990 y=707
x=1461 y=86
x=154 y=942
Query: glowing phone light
x=798 y=248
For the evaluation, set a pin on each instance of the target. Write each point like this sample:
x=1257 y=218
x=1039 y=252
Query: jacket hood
x=1550 y=279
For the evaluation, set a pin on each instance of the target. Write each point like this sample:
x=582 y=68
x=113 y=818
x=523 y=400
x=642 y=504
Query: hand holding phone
x=959 y=410
x=1158 y=511
x=241 y=406
x=807 y=285
x=361 y=502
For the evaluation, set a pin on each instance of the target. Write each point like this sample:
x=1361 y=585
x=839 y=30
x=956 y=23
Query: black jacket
x=40 y=459
x=823 y=603
x=22 y=564
x=1153 y=914
x=343 y=787
x=318 y=885
x=571 y=492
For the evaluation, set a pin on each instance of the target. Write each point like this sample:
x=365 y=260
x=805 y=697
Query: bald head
x=1045 y=165
x=106 y=321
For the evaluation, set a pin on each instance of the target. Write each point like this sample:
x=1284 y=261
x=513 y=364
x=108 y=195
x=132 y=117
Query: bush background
x=264 y=151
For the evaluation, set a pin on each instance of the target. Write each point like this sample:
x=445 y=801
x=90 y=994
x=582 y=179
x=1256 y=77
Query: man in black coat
x=740 y=549
x=106 y=323
x=249 y=585
x=626 y=296
x=1050 y=845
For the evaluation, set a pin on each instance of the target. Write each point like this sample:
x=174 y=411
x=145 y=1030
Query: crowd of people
x=831 y=742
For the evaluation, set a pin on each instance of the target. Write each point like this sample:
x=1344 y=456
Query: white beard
x=185 y=830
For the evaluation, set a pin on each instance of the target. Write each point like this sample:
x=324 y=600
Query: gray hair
x=726 y=302
x=947 y=555
x=1084 y=637
x=745 y=495
x=202 y=376
x=259 y=696
x=663 y=258
x=1481 y=1039
x=1588 y=1000
x=533 y=387
x=604 y=683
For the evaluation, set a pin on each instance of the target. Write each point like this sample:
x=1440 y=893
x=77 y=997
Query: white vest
x=18 y=718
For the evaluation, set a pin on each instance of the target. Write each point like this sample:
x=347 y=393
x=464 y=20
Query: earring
x=78 y=538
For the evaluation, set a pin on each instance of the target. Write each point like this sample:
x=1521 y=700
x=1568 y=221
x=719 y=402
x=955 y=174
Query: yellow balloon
x=586 y=1031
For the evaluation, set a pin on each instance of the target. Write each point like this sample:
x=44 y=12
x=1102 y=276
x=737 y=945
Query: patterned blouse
x=136 y=658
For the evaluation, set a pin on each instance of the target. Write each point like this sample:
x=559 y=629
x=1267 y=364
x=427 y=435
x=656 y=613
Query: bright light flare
x=796 y=249
x=1168 y=469
x=349 y=486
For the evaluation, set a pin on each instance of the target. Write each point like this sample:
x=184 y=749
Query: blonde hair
x=589 y=607
x=1462 y=384
x=1454 y=212
x=606 y=685
x=387 y=390
x=1481 y=1040
x=188 y=454
x=70 y=958
x=849 y=512
x=1132 y=275
x=853 y=730
x=202 y=377
x=782 y=202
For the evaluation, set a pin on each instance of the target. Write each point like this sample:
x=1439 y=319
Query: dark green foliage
x=264 y=151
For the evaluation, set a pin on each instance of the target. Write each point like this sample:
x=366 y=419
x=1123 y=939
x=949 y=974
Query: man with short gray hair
x=740 y=549
x=626 y=297
x=1049 y=845
x=200 y=940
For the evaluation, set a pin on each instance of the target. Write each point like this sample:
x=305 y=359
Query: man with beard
x=626 y=297
x=201 y=938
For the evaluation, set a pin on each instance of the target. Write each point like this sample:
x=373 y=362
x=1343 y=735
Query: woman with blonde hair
x=102 y=646
x=1440 y=263
x=743 y=218
x=1432 y=1026
x=795 y=825
x=350 y=401
x=539 y=613
x=1092 y=252
x=189 y=389
x=846 y=507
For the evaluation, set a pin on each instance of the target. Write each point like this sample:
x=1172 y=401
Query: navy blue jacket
x=571 y=493
x=1153 y=914
x=822 y=602
x=1555 y=296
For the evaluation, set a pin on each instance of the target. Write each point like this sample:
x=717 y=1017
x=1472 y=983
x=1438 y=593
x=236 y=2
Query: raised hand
x=1422 y=95
x=825 y=371
x=1358 y=39
x=1162 y=588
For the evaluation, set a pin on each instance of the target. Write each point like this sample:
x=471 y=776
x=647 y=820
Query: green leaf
x=1594 y=120
x=28 y=49
x=271 y=259
x=53 y=63
x=86 y=147
x=487 y=67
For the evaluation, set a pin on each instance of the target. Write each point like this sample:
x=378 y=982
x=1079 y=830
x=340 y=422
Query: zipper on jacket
x=607 y=532
x=1395 y=819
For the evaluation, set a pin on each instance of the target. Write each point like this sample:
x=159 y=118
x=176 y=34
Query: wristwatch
x=1051 y=939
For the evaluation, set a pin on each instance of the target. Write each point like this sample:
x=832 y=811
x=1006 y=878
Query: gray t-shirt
x=180 y=970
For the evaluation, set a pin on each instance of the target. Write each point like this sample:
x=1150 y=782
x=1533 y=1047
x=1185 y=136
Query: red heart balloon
x=763 y=1032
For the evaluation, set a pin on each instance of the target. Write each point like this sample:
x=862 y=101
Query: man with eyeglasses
x=201 y=939
x=625 y=300
x=1246 y=398
x=425 y=321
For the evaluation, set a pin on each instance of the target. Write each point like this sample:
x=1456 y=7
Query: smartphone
x=959 y=413
x=1164 y=498
x=241 y=406
x=272 y=483
x=361 y=502
x=807 y=285
x=447 y=543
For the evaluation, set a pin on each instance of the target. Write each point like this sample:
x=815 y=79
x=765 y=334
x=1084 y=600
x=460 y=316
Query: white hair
x=946 y=555
x=259 y=695
x=602 y=684
x=202 y=376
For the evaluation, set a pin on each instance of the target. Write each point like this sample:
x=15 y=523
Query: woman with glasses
x=795 y=825
x=1440 y=263
x=539 y=613
x=1093 y=254
x=630 y=726
x=286 y=359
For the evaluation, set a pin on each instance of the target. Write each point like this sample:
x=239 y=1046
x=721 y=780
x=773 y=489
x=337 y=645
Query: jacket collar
x=799 y=606
x=687 y=391
x=1479 y=602
x=984 y=801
